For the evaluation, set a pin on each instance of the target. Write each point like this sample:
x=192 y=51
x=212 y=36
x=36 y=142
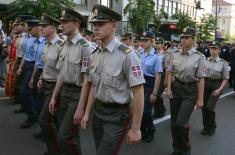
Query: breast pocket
x=113 y=77
x=52 y=60
x=149 y=63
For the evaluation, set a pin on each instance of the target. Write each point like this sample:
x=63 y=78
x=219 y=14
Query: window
x=80 y=2
x=108 y=3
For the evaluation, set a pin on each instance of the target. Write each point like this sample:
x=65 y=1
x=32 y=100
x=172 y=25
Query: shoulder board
x=124 y=48
x=200 y=53
x=83 y=42
x=223 y=60
x=61 y=42
x=95 y=50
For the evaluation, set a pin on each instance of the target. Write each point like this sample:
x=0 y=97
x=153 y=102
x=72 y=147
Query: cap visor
x=96 y=20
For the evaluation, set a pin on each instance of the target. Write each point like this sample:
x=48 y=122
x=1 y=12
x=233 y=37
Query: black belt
x=111 y=104
x=185 y=83
x=213 y=80
x=71 y=85
x=149 y=78
x=49 y=82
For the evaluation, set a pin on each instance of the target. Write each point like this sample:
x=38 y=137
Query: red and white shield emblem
x=136 y=71
x=86 y=61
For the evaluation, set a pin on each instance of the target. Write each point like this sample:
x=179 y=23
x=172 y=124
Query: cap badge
x=95 y=13
x=185 y=29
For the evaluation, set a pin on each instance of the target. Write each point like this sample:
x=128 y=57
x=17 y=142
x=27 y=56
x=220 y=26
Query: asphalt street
x=15 y=141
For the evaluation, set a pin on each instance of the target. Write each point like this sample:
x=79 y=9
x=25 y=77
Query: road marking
x=4 y=98
x=226 y=94
x=165 y=118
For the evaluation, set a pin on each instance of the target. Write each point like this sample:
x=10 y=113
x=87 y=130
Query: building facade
x=225 y=17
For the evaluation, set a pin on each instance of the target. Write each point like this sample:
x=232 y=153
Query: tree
x=37 y=7
x=157 y=19
x=184 y=20
x=206 y=27
x=139 y=12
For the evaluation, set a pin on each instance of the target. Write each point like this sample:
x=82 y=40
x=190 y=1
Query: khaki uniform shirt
x=50 y=57
x=217 y=69
x=187 y=67
x=74 y=60
x=113 y=71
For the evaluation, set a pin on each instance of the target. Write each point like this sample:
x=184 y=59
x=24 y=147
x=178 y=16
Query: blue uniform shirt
x=29 y=53
x=38 y=48
x=151 y=63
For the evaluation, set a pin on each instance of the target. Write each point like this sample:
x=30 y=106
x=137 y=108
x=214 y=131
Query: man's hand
x=40 y=83
x=153 y=98
x=78 y=115
x=19 y=71
x=85 y=121
x=199 y=103
x=169 y=93
x=216 y=92
x=31 y=83
x=133 y=136
x=52 y=105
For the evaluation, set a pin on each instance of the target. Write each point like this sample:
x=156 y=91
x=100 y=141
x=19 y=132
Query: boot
x=205 y=121
x=212 y=124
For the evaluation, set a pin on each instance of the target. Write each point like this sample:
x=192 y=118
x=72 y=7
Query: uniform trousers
x=181 y=107
x=68 y=135
x=208 y=110
x=147 y=126
x=110 y=124
x=49 y=123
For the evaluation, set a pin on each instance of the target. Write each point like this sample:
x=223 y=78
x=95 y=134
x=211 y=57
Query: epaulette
x=83 y=42
x=124 y=48
x=200 y=53
x=61 y=42
x=95 y=50
x=223 y=60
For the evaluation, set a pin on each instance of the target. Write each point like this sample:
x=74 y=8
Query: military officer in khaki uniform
x=186 y=73
x=72 y=82
x=115 y=71
x=216 y=78
x=48 y=78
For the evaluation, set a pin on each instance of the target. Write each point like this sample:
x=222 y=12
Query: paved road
x=14 y=141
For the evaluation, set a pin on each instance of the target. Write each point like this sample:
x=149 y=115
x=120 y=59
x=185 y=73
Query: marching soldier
x=152 y=69
x=33 y=45
x=47 y=80
x=126 y=39
x=159 y=108
x=215 y=81
x=186 y=73
x=136 y=44
x=71 y=83
x=115 y=72
x=22 y=29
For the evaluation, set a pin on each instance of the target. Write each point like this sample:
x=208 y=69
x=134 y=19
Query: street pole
x=216 y=16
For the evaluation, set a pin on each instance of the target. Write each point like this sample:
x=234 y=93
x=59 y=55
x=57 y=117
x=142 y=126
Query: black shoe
x=204 y=131
x=211 y=132
x=160 y=114
x=149 y=138
x=38 y=135
x=175 y=153
x=18 y=111
x=26 y=124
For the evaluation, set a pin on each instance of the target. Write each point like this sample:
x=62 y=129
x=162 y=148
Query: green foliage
x=184 y=20
x=37 y=7
x=139 y=12
x=206 y=27
x=157 y=19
